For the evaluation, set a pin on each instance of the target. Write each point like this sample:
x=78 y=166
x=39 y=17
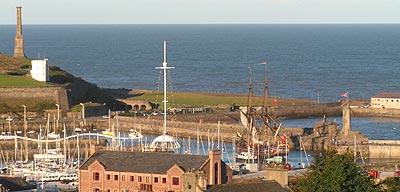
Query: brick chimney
x=215 y=167
x=19 y=40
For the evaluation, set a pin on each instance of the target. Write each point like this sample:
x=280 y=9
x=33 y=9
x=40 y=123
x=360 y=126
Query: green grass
x=180 y=99
x=9 y=81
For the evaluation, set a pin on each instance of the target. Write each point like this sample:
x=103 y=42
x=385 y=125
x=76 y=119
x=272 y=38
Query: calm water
x=316 y=62
x=373 y=128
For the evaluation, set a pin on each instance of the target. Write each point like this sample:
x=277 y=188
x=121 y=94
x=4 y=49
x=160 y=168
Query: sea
x=315 y=62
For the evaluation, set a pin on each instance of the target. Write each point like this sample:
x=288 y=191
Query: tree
x=391 y=184
x=335 y=172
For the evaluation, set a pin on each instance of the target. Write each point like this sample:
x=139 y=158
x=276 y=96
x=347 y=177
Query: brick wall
x=122 y=180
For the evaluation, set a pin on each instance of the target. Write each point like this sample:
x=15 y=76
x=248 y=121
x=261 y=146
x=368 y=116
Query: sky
x=200 y=11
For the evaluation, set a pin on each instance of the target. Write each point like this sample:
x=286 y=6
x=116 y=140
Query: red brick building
x=116 y=171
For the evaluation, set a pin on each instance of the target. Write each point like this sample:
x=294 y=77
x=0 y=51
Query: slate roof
x=261 y=186
x=15 y=183
x=387 y=95
x=144 y=162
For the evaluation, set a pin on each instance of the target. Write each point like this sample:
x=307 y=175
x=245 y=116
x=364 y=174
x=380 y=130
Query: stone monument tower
x=19 y=40
x=346 y=118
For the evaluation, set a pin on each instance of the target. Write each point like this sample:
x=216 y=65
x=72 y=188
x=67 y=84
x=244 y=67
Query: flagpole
x=348 y=96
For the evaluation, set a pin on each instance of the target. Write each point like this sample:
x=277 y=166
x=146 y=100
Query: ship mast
x=249 y=115
x=265 y=94
x=250 y=97
x=164 y=68
x=165 y=142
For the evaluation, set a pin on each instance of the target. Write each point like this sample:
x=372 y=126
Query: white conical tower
x=165 y=142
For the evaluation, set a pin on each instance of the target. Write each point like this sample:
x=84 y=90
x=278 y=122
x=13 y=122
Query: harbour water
x=373 y=128
x=316 y=62
x=295 y=156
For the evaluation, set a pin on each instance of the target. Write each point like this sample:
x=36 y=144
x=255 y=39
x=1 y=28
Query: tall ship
x=260 y=142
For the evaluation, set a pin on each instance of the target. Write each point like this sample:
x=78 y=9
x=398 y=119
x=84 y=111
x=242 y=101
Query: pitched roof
x=261 y=186
x=144 y=162
x=387 y=95
x=15 y=183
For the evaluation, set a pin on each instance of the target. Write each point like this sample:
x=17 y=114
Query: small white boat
x=50 y=177
x=78 y=130
x=275 y=159
x=246 y=156
x=69 y=177
x=133 y=134
x=53 y=135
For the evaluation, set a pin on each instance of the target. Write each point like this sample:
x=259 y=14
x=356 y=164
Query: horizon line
x=366 y=23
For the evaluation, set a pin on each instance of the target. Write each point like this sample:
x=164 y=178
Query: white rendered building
x=40 y=70
x=388 y=100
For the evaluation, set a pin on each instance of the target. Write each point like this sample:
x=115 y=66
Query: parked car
x=396 y=174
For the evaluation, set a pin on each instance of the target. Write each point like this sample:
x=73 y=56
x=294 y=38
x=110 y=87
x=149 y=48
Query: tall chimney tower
x=19 y=40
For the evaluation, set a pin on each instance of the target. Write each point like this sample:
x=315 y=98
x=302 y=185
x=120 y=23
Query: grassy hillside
x=181 y=99
x=14 y=74
x=7 y=81
x=13 y=66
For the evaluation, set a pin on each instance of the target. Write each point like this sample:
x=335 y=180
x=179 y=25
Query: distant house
x=9 y=183
x=388 y=100
x=40 y=70
x=109 y=171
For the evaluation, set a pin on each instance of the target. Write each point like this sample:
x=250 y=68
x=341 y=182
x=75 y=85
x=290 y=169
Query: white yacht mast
x=165 y=67
x=165 y=142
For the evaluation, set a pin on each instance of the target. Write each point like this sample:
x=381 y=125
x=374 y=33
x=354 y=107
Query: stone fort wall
x=51 y=94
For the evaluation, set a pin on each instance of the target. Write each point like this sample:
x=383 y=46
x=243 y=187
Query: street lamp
x=83 y=114
x=25 y=128
x=83 y=110
x=24 y=112
x=58 y=112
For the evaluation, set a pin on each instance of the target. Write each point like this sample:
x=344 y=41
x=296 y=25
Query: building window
x=116 y=177
x=147 y=179
x=155 y=179
x=108 y=176
x=123 y=178
x=96 y=176
x=164 y=180
x=108 y=190
x=146 y=187
x=132 y=178
x=96 y=190
x=175 y=180
x=139 y=178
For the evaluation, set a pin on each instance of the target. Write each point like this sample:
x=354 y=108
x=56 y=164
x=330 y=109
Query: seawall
x=375 y=112
x=34 y=95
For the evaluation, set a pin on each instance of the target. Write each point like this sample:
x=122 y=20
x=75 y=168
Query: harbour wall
x=374 y=112
x=32 y=96
x=384 y=148
x=305 y=111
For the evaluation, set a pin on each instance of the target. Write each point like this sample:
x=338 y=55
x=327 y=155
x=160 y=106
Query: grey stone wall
x=51 y=94
x=375 y=112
